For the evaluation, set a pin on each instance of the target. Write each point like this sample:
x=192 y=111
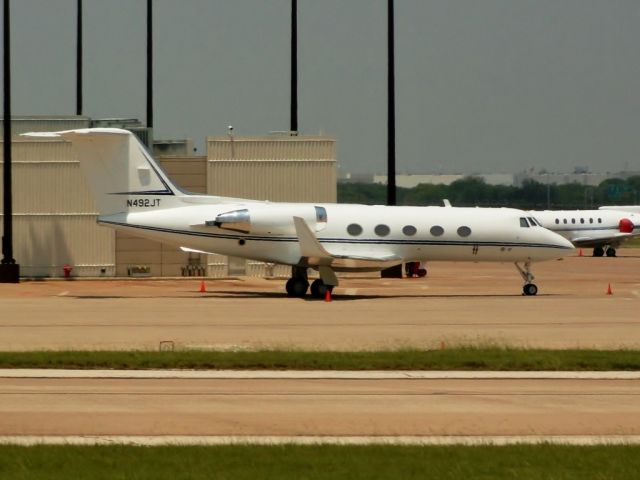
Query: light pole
x=9 y=269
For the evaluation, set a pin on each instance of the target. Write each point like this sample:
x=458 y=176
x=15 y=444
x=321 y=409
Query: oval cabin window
x=354 y=229
x=436 y=230
x=409 y=230
x=382 y=230
x=464 y=231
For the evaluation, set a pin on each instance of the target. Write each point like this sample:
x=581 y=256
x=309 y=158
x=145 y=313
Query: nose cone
x=561 y=245
x=626 y=226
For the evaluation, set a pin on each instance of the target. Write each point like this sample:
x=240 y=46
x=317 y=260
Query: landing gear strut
x=298 y=284
x=529 y=287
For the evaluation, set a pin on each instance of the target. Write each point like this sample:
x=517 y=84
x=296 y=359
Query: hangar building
x=55 y=218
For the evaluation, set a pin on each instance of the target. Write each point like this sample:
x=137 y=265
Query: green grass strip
x=460 y=358
x=523 y=462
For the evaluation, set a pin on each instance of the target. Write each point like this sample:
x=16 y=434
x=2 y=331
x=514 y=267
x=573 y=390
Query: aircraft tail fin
x=120 y=172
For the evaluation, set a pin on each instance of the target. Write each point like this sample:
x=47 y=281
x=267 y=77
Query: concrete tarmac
x=457 y=303
x=324 y=407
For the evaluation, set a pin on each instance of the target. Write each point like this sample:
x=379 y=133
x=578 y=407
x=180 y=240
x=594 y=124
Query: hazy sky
x=482 y=86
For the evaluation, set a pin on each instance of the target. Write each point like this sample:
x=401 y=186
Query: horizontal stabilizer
x=191 y=250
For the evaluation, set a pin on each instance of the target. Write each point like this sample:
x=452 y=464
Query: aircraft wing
x=317 y=255
x=595 y=241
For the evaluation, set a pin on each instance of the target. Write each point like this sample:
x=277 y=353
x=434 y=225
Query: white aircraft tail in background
x=133 y=194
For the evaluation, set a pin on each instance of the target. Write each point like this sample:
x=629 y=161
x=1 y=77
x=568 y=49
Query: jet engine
x=270 y=220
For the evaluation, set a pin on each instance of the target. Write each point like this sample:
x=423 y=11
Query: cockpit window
x=532 y=221
x=523 y=222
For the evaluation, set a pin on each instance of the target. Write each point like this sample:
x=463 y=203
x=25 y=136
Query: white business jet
x=621 y=208
x=133 y=194
x=603 y=230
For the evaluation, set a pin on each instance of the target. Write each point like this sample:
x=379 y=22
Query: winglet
x=310 y=247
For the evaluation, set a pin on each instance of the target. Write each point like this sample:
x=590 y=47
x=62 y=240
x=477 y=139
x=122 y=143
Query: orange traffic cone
x=327 y=295
x=609 y=292
x=580 y=252
x=203 y=287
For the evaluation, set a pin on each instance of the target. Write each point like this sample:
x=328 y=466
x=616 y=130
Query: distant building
x=411 y=181
x=583 y=178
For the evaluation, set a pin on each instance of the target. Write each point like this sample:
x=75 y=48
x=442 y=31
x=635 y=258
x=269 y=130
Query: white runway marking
x=188 y=440
x=318 y=374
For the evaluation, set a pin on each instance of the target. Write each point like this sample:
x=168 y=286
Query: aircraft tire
x=598 y=251
x=296 y=287
x=319 y=288
x=530 y=289
x=611 y=252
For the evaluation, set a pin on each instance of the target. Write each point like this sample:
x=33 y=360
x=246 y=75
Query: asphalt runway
x=304 y=406
x=457 y=303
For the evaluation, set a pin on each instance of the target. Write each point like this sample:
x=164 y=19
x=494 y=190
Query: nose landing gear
x=529 y=287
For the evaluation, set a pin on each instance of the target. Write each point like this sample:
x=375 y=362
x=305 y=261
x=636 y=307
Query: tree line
x=474 y=191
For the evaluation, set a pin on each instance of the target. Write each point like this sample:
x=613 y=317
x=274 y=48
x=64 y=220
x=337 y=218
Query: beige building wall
x=278 y=168
x=275 y=168
x=54 y=214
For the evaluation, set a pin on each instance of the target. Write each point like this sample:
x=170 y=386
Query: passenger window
x=436 y=230
x=464 y=231
x=564 y=220
x=409 y=230
x=591 y=220
x=573 y=220
x=354 y=229
x=599 y=220
x=582 y=220
x=557 y=221
x=382 y=230
x=523 y=222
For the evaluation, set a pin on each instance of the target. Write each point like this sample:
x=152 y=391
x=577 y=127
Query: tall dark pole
x=9 y=270
x=294 y=66
x=79 y=60
x=150 y=63
x=396 y=271
x=391 y=110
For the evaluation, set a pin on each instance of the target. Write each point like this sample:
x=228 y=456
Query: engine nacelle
x=270 y=220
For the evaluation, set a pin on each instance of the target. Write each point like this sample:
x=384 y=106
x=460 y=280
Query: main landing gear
x=298 y=284
x=529 y=287
x=600 y=252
